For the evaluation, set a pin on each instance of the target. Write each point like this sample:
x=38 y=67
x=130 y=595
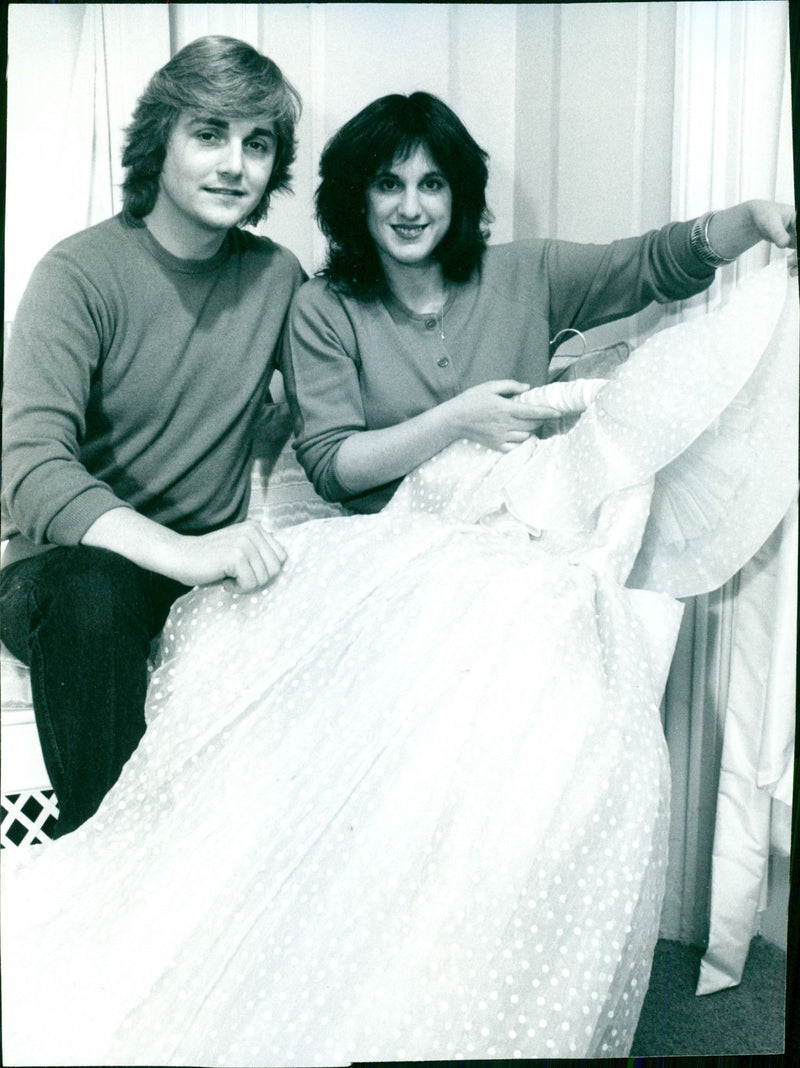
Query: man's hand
x=244 y=554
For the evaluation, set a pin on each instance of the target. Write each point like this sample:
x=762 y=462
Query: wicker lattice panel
x=28 y=818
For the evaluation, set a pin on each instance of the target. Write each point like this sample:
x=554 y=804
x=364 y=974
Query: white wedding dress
x=411 y=801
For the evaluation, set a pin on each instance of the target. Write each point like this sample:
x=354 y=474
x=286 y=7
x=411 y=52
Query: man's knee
x=94 y=593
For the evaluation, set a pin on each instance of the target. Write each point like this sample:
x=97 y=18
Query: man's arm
x=49 y=495
x=244 y=553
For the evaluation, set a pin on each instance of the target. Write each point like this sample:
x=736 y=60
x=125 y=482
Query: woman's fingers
x=507 y=387
x=516 y=436
x=563 y=397
x=534 y=412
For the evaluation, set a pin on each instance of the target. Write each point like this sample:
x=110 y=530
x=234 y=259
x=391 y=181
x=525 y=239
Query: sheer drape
x=601 y=120
x=732 y=143
x=74 y=74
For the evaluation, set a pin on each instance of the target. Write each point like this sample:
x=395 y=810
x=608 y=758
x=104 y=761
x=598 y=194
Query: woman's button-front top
x=430 y=324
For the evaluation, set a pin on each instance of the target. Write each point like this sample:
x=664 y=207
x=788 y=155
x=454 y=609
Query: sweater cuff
x=68 y=526
x=680 y=246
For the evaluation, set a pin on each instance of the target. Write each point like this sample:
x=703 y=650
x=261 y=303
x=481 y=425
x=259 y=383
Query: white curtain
x=601 y=120
x=74 y=75
x=755 y=781
x=732 y=143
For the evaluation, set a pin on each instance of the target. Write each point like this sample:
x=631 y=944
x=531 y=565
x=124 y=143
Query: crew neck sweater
x=352 y=365
x=135 y=378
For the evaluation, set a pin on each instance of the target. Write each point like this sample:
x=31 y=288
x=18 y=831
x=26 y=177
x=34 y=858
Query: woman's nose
x=409 y=203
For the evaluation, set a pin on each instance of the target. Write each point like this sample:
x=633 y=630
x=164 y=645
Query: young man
x=139 y=359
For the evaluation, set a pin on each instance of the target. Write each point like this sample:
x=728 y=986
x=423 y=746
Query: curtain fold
x=730 y=145
x=756 y=758
x=74 y=75
x=692 y=712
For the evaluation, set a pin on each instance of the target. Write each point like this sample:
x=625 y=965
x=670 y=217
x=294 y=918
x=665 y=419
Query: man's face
x=215 y=171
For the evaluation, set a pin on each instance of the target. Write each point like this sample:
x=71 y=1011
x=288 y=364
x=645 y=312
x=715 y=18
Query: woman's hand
x=567 y=398
x=734 y=230
x=491 y=415
x=776 y=223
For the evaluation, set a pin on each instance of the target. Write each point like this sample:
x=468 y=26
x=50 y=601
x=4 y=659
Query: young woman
x=410 y=802
x=417 y=334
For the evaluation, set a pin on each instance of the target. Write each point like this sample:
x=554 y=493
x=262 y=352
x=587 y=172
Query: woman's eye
x=434 y=185
x=386 y=185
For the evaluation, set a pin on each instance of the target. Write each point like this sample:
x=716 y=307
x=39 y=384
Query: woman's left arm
x=733 y=231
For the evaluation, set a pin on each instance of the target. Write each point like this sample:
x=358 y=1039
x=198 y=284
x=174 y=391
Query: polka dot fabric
x=709 y=407
x=409 y=802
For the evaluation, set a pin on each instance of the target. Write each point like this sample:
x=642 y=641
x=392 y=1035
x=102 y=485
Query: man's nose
x=231 y=161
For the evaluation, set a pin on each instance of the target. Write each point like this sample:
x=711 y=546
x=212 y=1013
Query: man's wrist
x=141 y=540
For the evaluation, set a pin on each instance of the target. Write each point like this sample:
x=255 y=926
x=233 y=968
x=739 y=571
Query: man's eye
x=261 y=147
x=207 y=135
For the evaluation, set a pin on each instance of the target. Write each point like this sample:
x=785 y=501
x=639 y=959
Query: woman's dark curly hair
x=389 y=130
x=220 y=76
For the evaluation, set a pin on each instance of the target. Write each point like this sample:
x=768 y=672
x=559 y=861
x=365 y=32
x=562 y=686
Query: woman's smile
x=408 y=232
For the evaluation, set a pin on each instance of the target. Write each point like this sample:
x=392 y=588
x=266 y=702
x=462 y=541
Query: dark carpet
x=745 y=1020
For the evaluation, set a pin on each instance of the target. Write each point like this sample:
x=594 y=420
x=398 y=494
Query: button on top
x=443 y=362
x=430 y=324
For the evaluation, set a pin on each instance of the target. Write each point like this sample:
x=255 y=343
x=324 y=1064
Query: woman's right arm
x=339 y=451
x=487 y=414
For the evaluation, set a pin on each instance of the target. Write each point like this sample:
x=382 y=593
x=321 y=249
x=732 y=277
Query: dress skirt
x=411 y=800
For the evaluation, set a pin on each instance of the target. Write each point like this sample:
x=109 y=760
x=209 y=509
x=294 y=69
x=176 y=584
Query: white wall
x=579 y=135
x=582 y=107
x=601 y=119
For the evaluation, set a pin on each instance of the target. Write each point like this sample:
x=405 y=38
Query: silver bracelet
x=701 y=246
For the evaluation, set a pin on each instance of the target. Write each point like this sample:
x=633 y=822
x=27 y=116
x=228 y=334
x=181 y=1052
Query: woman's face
x=409 y=208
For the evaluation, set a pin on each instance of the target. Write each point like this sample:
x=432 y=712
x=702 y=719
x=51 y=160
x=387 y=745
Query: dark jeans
x=83 y=619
